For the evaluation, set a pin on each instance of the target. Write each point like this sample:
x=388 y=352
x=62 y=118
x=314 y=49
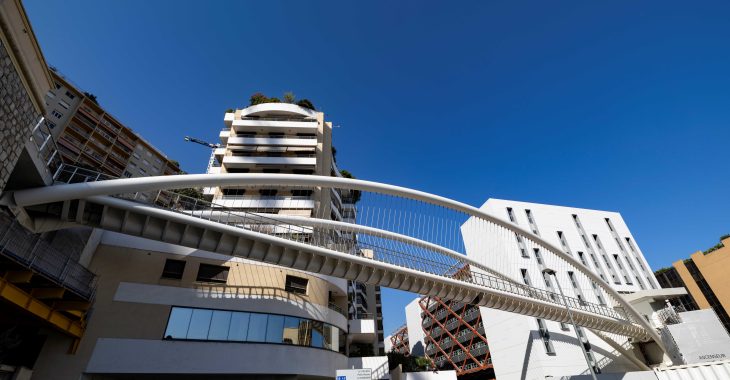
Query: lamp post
x=551 y=272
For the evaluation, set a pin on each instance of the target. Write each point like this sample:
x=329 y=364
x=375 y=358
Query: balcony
x=296 y=141
x=275 y=126
x=263 y=201
x=253 y=161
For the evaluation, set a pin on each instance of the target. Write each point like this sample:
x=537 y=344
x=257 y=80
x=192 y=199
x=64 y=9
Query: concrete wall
x=132 y=305
x=416 y=336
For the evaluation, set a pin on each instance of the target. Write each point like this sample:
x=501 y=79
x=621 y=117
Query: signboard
x=701 y=337
x=354 y=374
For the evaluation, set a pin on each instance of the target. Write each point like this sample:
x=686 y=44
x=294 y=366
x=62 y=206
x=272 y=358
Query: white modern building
x=526 y=347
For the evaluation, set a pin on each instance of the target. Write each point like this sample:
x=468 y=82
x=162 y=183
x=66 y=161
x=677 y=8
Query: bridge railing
x=361 y=243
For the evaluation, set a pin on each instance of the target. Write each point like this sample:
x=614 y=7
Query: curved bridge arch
x=97 y=191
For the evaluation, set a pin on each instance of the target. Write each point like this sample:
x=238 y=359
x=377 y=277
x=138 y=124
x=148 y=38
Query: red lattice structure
x=399 y=341
x=454 y=334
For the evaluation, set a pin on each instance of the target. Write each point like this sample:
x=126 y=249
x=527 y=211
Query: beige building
x=705 y=277
x=165 y=310
x=162 y=309
x=88 y=136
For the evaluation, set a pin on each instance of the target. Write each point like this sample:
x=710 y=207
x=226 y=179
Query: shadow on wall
x=263 y=293
x=608 y=360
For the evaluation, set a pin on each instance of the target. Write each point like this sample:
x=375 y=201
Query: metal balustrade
x=31 y=251
x=421 y=252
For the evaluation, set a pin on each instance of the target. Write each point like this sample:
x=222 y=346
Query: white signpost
x=354 y=374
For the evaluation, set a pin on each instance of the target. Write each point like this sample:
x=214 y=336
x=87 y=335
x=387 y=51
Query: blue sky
x=621 y=106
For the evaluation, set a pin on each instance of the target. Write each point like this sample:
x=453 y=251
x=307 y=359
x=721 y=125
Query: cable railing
x=387 y=251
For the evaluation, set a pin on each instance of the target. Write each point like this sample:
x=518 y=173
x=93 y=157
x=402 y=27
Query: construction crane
x=201 y=142
x=212 y=162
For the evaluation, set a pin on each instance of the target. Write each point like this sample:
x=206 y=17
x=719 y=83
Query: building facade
x=704 y=275
x=166 y=310
x=88 y=136
x=525 y=347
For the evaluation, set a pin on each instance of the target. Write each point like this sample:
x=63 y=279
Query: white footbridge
x=393 y=236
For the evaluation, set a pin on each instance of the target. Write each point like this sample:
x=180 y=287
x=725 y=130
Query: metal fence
x=31 y=251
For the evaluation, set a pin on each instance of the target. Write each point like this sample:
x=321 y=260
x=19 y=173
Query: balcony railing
x=277 y=119
x=29 y=250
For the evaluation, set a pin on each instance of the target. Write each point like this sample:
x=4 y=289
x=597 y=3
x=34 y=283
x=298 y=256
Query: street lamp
x=551 y=272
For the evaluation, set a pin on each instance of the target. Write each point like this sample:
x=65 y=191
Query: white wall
x=416 y=336
x=517 y=347
x=378 y=365
x=128 y=356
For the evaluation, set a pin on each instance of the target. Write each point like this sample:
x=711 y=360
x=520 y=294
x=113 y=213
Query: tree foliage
x=718 y=245
x=356 y=194
x=91 y=97
x=289 y=97
x=306 y=103
x=409 y=363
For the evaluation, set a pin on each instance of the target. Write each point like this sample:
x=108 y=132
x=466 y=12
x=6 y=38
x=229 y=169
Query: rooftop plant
x=356 y=194
x=91 y=97
x=718 y=245
x=259 y=98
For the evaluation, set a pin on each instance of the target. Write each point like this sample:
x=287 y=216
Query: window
x=236 y=170
x=296 y=284
x=538 y=257
x=271 y=171
x=525 y=277
x=127 y=174
x=545 y=335
x=303 y=171
x=301 y=193
x=56 y=114
x=51 y=124
x=583 y=259
x=212 y=273
x=63 y=104
x=521 y=245
x=233 y=192
x=529 y=216
x=236 y=326
x=511 y=215
x=173 y=269
x=70 y=95
x=268 y=192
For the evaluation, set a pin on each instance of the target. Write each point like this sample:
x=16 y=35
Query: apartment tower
x=166 y=310
x=88 y=136
x=526 y=347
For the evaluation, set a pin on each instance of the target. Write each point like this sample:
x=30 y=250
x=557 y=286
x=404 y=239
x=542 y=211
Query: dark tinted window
x=212 y=273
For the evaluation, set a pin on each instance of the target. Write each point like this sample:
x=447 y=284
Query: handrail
x=36 y=196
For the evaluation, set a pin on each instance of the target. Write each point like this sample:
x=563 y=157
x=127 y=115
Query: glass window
x=257 y=328
x=328 y=337
x=275 y=329
x=219 y=325
x=293 y=327
x=199 y=324
x=177 y=326
x=238 y=329
x=317 y=334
